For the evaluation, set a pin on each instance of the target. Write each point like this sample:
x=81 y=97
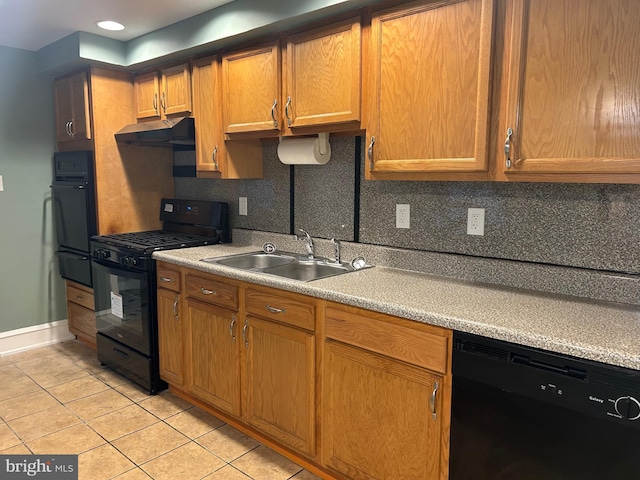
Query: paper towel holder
x=308 y=149
x=323 y=142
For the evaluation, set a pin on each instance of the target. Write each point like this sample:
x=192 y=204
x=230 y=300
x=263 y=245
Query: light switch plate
x=242 y=205
x=1 y=184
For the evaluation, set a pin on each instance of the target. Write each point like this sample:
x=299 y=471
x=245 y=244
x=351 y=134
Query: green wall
x=31 y=290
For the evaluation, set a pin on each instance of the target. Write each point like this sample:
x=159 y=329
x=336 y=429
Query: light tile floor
x=59 y=400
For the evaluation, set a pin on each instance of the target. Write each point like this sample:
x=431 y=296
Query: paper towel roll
x=303 y=151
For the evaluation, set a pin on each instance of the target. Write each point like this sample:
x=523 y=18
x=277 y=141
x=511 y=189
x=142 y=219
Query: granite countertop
x=596 y=330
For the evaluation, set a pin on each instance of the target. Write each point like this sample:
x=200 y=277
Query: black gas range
x=124 y=283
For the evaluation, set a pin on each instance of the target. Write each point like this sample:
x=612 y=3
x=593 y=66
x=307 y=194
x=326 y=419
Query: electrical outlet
x=403 y=216
x=242 y=205
x=475 y=221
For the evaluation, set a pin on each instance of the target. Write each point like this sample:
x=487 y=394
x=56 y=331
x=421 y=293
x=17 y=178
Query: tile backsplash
x=594 y=226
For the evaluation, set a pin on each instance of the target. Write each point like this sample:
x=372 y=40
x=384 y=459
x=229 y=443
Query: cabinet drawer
x=81 y=297
x=81 y=320
x=281 y=308
x=168 y=278
x=422 y=345
x=212 y=291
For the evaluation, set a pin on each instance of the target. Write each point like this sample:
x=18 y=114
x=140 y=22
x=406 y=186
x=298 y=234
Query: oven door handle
x=72 y=256
x=75 y=186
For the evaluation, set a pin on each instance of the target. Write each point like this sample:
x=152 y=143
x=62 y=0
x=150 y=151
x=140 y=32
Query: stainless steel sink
x=250 y=261
x=286 y=264
x=307 y=271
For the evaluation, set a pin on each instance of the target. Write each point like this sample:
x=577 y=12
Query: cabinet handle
x=232 y=327
x=370 y=152
x=432 y=401
x=214 y=157
x=175 y=309
x=244 y=333
x=208 y=292
x=286 y=110
x=79 y=297
x=274 y=309
x=273 y=113
x=67 y=128
x=163 y=104
x=71 y=132
x=155 y=102
x=507 y=147
x=166 y=279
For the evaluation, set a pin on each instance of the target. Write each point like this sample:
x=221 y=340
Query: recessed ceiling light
x=110 y=25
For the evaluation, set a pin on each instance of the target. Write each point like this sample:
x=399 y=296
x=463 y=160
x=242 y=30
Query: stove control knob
x=101 y=254
x=628 y=408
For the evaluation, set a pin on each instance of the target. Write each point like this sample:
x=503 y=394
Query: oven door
x=75 y=266
x=123 y=304
x=73 y=215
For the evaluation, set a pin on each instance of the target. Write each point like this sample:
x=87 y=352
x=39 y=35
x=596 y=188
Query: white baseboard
x=22 y=339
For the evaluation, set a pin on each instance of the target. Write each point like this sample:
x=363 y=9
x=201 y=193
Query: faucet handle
x=336 y=247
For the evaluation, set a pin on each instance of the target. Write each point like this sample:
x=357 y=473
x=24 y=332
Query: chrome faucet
x=309 y=245
x=336 y=247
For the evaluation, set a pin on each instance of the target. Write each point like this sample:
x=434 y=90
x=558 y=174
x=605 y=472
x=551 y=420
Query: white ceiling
x=33 y=24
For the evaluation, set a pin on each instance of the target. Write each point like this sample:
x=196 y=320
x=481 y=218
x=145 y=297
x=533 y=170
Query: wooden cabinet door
x=215 y=157
x=429 y=90
x=574 y=90
x=281 y=382
x=176 y=90
x=147 y=93
x=251 y=90
x=376 y=416
x=80 y=122
x=213 y=355
x=323 y=76
x=72 y=108
x=62 y=93
x=170 y=337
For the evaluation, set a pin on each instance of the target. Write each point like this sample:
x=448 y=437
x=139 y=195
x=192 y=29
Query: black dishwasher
x=520 y=413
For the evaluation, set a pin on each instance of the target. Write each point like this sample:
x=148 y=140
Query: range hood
x=159 y=133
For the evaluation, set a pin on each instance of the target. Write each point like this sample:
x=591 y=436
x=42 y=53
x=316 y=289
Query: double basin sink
x=287 y=265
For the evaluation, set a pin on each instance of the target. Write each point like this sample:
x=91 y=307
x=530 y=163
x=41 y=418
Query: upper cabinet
x=72 y=108
x=322 y=73
x=573 y=91
x=215 y=156
x=428 y=90
x=251 y=90
x=164 y=93
x=315 y=83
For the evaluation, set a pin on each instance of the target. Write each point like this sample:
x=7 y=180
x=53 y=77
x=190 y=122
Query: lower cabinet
x=348 y=392
x=213 y=355
x=170 y=326
x=384 y=415
x=212 y=345
x=281 y=367
x=80 y=312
